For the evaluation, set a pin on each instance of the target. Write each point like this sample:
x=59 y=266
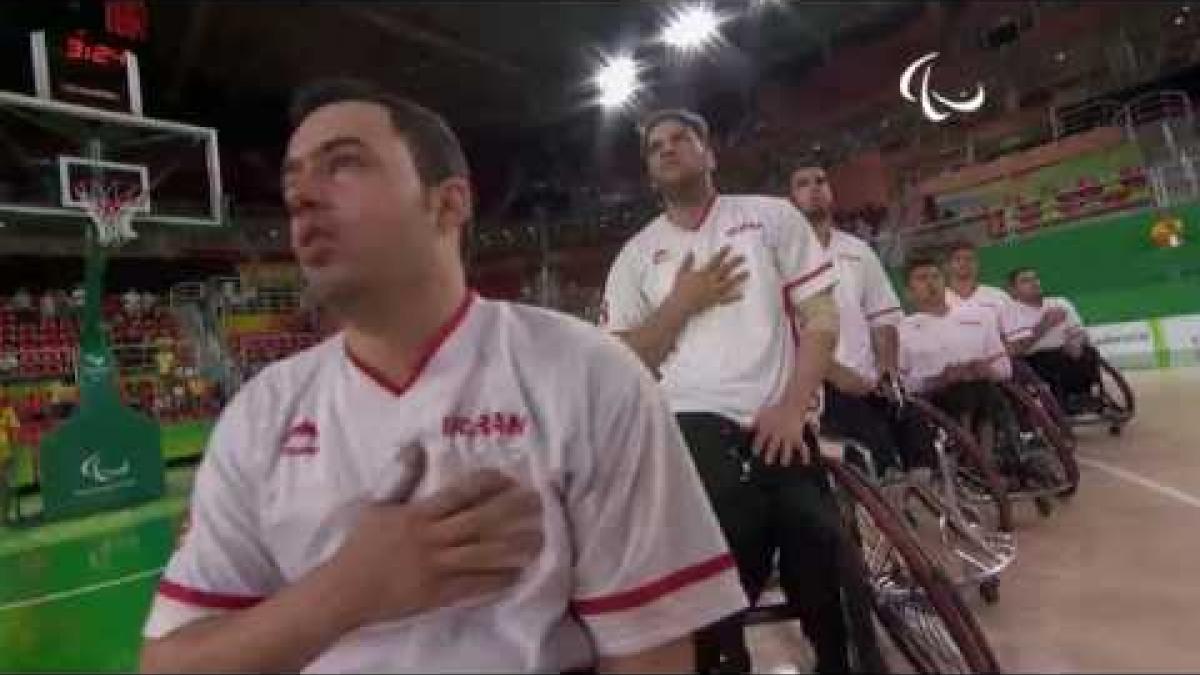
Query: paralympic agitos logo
x=934 y=106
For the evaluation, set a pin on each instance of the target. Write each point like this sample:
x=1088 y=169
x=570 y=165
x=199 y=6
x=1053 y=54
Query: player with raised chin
x=963 y=288
x=868 y=311
x=707 y=294
x=951 y=354
x=448 y=484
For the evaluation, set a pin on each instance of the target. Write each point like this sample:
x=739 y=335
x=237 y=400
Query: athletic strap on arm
x=818 y=312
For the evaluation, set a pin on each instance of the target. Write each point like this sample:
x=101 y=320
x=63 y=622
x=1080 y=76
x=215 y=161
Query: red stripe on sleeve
x=647 y=593
x=207 y=599
x=808 y=277
x=876 y=315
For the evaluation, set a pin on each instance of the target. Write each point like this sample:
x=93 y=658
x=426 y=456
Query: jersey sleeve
x=222 y=563
x=1074 y=322
x=624 y=306
x=995 y=352
x=881 y=305
x=804 y=265
x=651 y=563
x=1012 y=327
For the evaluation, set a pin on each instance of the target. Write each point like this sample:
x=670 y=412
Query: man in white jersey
x=951 y=355
x=448 y=484
x=963 y=287
x=706 y=294
x=1056 y=345
x=868 y=311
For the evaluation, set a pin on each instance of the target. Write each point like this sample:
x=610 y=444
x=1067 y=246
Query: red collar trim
x=708 y=208
x=427 y=352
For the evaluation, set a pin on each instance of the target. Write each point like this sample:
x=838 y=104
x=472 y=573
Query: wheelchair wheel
x=1040 y=392
x=1038 y=460
x=1115 y=395
x=918 y=607
x=977 y=476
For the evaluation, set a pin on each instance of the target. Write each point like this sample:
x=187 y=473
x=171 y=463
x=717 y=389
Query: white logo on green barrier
x=928 y=97
x=92 y=470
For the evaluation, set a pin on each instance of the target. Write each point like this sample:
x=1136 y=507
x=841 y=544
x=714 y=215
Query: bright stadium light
x=616 y=81
x=692 y=28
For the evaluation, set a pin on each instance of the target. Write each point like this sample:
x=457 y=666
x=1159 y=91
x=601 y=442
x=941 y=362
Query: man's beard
x=817 y=214
x=686 y=191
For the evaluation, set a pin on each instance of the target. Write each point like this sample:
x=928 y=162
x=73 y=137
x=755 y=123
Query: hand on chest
x=347 y=458
x=745 y=241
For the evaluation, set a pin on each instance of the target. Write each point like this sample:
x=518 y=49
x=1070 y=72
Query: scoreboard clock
x=96 y=68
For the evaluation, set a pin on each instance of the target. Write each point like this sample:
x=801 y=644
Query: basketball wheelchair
x=952 y=497
x=1108 y=400
x=890 y=581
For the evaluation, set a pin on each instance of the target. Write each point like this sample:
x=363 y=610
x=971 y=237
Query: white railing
x=1076 y=119
x=1152 y=107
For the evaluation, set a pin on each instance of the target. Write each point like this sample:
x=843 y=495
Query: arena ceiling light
x=692 y=28
x=616 y=81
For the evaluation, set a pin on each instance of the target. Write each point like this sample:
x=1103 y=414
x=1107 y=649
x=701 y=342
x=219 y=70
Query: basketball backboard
x=52 y=151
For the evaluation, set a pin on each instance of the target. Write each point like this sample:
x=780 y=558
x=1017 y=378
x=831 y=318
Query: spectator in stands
x=249 y=296
x=49 y=305
x=149 y=303
x=197 y=389
x=77 y=298
x=22 y=304
x=164 y=360
x=9 y=425
x=63 y=399
x=230 y=294
x=131 y=302
x=9 y=363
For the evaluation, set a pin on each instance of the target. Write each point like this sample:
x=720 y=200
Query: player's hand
x=719 y=282
x=779 y=435
x=466 y=542
x=1053 y=317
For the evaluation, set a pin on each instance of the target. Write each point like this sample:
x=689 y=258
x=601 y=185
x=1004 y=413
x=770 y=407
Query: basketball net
x=111 y=209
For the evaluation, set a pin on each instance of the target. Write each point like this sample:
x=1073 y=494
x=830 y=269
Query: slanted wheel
x=915 y=602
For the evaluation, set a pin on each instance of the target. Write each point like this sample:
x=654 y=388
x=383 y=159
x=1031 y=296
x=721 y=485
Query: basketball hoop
x=111 y=208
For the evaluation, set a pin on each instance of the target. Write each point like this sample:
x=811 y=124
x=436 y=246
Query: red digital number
x=76 y=48
x=102 y=55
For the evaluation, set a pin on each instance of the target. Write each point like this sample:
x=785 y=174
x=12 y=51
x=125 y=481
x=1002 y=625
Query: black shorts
x=978 y=399
x=1066 y=375
x=766 y=511
x=867 y=420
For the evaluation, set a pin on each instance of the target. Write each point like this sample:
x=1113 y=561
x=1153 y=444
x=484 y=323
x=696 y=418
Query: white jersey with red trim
x=865 y=300
x=929 y=343
x=997 y=302
x=1028 y=316
x=733 y=359
x=633 y=556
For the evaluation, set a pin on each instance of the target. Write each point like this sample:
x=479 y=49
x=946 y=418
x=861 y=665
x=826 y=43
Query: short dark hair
x=687 y=118
x=435 y=148
x=808 y=163
x=960 y=245
x=1018 y=271
x=916 y=262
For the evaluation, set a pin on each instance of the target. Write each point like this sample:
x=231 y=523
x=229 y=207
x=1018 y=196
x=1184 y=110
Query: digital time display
x=90 y=69
x=80 y=47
